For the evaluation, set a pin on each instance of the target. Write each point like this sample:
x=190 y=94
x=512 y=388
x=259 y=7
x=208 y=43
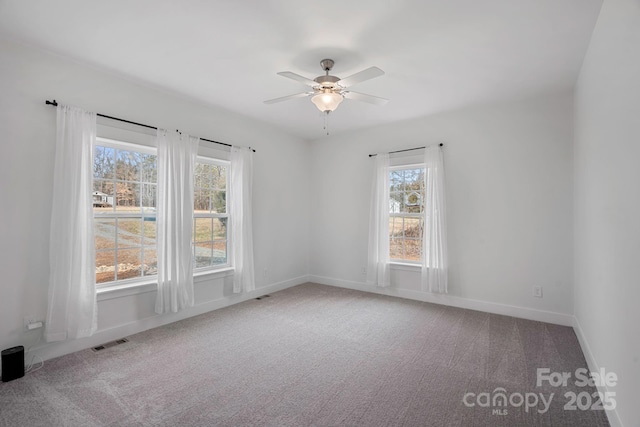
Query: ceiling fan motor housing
x=327 y=81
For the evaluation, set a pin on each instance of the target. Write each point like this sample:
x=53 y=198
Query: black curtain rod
x=401 y=151
x=55 y=104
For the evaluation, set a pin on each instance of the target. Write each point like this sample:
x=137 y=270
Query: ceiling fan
x=329 y=91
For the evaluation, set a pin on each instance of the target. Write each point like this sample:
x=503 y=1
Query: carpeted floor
x=312 y=355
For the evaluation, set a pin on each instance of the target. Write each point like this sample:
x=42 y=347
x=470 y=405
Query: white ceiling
x=437 y=54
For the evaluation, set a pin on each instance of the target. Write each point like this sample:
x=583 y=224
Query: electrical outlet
x=537 y=291
x=364 y=270
x=32 y=322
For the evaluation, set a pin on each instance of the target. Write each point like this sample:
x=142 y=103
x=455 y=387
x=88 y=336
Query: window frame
x=143 y=279
x=117 y=134
x=407 y=164
x=213 y=268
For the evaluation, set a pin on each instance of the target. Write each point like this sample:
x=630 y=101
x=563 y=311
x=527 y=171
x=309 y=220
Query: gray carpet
x=311 y=355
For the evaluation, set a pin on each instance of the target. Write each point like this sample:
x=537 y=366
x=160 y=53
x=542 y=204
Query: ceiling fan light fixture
x=329 y=91
x=327 y=100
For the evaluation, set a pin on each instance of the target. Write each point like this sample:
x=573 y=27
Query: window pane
x=396 y=202
x=219 y=201
x=395 y=248
x=220 y=252
x=203 y=254
x=203 y=230
x=413 y=227
x=395 y=226
x=412 y=249
x=413 y=201
x=149 y=168
x=129 y=263
x=396 y=180
x=412 y=179
x=149 y=197
x=150 y=267
x=412 y=198
x=104 y=233
x=103 y=162
x=127 y=197
x=149 y=229
x=105 y=266
x=219 y=228
x=129 y=232
x=219 y=177
x=205 y=172
x=102 y=196
x=201 y=176
x=128 y=165
x=200 y=201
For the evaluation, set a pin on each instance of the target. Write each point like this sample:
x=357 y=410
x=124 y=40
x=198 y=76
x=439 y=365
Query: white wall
x=607 y=200
x=509 y=186
x=28 y=77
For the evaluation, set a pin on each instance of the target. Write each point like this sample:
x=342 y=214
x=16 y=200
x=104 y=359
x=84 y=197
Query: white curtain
x=434 y=241
x=174 y=218
x=241 y=219
x=378 y=263
x=72 y=308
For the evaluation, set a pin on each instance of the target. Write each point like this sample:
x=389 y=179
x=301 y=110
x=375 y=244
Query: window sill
x=203 y=276
x=126 y=289
x=405 y=266
x=142 y=287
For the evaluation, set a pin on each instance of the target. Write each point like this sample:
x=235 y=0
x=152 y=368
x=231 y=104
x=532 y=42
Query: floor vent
x=109 y=344
x=263 y=296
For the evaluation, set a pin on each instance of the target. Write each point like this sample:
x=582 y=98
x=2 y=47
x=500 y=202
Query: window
x=210 y=219
x=406 y=213
x=124 y=209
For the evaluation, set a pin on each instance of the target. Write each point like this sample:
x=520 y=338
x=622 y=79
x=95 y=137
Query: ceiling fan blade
x=298 y=78
x=357 y=96
x=286 y=98
x=363 y=75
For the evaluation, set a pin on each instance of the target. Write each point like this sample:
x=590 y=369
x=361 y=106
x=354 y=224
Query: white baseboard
x=489 y=307
x=612 y=415
x=51 y=350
